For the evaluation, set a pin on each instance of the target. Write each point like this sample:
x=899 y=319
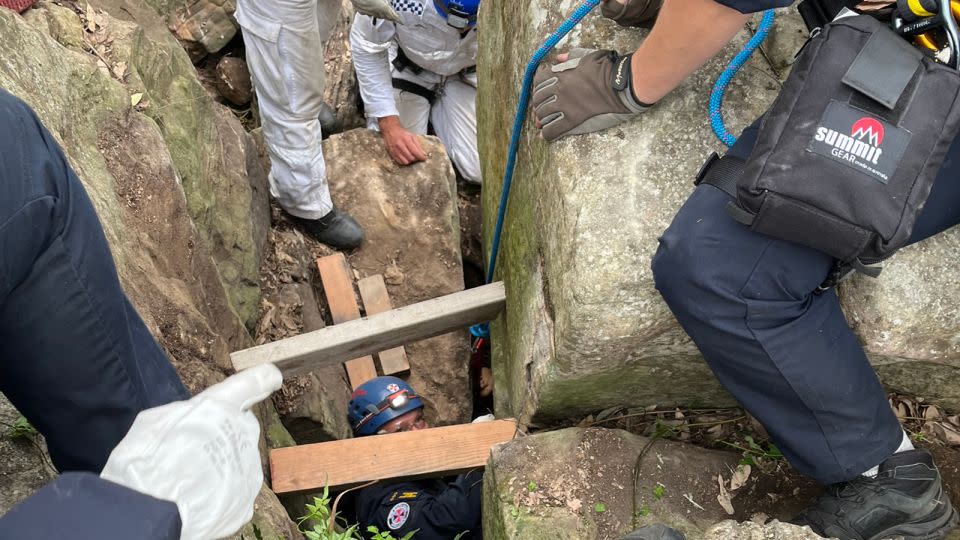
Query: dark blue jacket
x=82 y=505
x=435 y=509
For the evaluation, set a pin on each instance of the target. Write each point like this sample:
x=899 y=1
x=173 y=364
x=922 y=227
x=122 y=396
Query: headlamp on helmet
x=378 y=401
x=460 y=14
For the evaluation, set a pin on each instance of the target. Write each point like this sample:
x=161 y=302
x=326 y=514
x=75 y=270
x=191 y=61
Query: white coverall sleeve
x=370 y=41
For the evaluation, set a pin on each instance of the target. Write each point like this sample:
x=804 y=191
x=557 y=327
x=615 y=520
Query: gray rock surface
x=775 y=530
x=142 y=162
x=588 y=484
x=585 y=329
x=25 y=465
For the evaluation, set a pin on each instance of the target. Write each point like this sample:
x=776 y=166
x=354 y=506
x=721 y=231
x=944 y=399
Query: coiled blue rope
x=483 y=330
x=720 y=87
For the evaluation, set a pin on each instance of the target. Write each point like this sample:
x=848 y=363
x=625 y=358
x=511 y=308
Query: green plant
x=324 y=527
x=600 y=507
x=377 y=535
x=659 y=491
x=755 y=450
x=531 y=486
x=21 y=429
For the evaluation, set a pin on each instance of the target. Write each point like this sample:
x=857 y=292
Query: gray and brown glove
x=632 y=13
x=589 y=92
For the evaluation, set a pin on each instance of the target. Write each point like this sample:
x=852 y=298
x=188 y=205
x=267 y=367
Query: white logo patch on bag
x=398 y=515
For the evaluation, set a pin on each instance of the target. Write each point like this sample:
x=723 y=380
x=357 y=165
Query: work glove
x=200 y=454
x=631 y=13
x=380 y=9
x=588 y=92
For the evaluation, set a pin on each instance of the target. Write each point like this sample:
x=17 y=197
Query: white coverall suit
x=447 y=63
x=285 y=55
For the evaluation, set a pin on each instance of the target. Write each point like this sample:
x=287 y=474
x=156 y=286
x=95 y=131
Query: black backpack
x=848 y=152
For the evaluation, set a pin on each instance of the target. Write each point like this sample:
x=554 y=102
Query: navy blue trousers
x=75 y=358
x=785 y=353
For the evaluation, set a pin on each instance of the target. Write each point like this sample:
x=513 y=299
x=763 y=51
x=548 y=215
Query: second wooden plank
x=373 y=292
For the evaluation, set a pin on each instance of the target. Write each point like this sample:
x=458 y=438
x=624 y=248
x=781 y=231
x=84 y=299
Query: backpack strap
x=721 y=173
x=816 y=13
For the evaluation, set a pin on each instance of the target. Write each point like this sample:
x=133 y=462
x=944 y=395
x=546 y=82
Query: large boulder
x=585 y=328
x=128 y=165
x=594 y=484
x=412 y=237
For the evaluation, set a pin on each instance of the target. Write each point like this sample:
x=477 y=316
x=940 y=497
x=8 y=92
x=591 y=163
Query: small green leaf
x=531 y=486
x=659 y=491
x=135 y=99
x=644 y=511
x=599 y=508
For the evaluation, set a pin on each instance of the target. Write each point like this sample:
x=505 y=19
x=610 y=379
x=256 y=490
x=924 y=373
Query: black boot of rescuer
x=905 y=500
x=336 y=229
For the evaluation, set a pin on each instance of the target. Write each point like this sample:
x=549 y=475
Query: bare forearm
x=687 y=34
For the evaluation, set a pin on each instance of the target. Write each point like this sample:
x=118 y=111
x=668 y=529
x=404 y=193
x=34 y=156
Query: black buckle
x=840 y=272
x=712 y=159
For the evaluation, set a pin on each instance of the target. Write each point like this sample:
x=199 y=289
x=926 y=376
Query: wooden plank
x=411 y=454
x=373 y=291
x=338 y=288
x=297 y=355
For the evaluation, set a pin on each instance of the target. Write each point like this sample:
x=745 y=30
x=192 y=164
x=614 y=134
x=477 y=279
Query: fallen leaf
x=902 y=411
x=120 y=71
x=266 y=321
x=740 y=477
x=574 y=505
x=135 y=99
x=943 y=432
x=932 y=412
x=724 y=497
x=759 y=518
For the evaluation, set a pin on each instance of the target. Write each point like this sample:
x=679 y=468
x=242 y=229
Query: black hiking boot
x=657 y=531
x=336 y=229
x=905 y=500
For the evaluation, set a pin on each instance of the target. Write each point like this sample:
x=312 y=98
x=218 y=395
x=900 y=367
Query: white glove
x=377 y=8
x=200 y=454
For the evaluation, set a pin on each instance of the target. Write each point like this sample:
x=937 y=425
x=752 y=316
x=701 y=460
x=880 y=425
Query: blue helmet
x=460 y=14
x=378 y=401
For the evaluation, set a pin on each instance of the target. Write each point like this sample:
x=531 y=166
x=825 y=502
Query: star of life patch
x=398 y=515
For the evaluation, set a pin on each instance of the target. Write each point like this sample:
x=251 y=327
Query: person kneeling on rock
x=754 y=304
x=138 y=457
x=418 y=73
x=433 y=508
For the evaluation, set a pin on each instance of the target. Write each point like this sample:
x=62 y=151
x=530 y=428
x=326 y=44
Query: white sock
x=905 y=445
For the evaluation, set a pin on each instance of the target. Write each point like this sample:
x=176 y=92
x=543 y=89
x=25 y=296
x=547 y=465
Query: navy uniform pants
x=75 y=358
x=785 y=353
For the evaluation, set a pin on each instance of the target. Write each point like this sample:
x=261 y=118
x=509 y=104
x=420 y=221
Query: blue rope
x=716 y=96
x=716 y=99
x=483 y=330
